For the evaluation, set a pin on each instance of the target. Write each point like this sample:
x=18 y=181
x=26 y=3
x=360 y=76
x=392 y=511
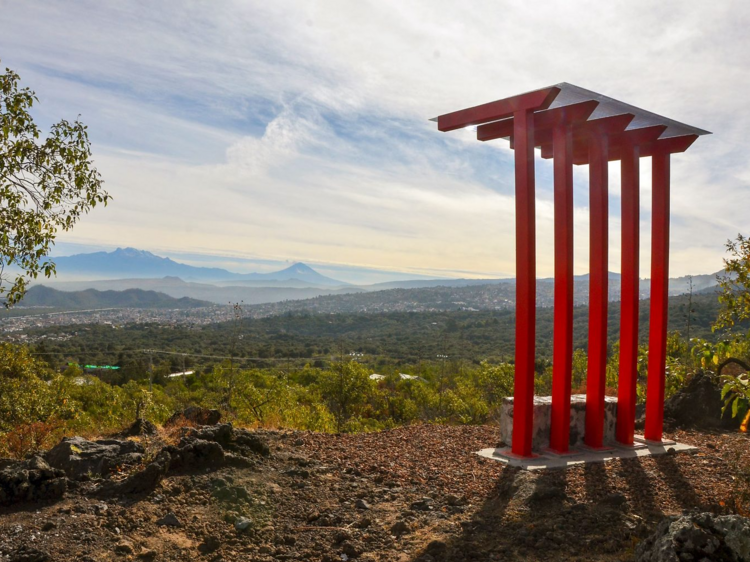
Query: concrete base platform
x=665 y=442
x=634 y=446
x=543 y=415
x=546 y=461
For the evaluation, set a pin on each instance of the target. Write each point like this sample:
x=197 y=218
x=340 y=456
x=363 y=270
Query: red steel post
x=596 y=375
x=626 y=390
x=562 y=359
x=523 y=396
x=657 y=343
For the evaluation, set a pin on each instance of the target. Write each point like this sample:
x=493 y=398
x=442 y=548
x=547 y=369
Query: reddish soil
x=411 y=494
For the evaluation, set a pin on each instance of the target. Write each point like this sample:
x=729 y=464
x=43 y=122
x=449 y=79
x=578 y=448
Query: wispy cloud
x=298 y=130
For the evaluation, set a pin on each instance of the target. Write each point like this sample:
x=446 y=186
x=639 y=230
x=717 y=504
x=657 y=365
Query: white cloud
x=298 y=129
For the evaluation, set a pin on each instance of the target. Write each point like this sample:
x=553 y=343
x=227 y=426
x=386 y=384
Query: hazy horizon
x=354 y=276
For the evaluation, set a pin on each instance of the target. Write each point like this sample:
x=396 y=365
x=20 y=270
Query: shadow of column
x=640 y=484
x=596 y=482
x=682 y=489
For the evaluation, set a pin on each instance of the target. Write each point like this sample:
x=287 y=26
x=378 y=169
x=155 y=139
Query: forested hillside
x=386 y=338
x=41 y=296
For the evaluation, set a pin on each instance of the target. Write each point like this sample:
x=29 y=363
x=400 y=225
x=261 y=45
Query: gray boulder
x=245 y=439
x=31 y=480
x=80 y=458
x=143 y=481
x=239 y=440
x=703 y=536
x=223 y=434
x=195 y=454
x=698 y=405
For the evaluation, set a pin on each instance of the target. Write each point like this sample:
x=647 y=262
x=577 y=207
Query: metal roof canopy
x=586 y=110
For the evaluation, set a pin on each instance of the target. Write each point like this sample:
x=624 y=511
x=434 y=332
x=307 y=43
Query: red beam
x=606 y=127
x=616 y=124
x=619 y=144
x=596 y=376
x=543 y=120
x=672 y=145
x=562 y=361
x=523 y=396
x=531 y=101
x=657 y=341
x=497 y=130
x=626 y=391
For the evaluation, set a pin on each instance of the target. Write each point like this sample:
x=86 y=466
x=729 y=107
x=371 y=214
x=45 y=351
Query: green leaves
x=44 y=187
x=29 y=391
x=735 y=392
x=345 y=388
x=735 y=284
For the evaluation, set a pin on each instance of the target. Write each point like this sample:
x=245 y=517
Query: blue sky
x=264 y=133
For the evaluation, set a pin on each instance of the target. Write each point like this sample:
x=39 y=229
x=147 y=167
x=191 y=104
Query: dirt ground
x=416 y=493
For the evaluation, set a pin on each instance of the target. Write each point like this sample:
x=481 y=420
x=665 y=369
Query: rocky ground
x=411 y=494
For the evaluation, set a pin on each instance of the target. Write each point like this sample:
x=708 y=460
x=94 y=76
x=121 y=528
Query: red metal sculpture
x=576 y=126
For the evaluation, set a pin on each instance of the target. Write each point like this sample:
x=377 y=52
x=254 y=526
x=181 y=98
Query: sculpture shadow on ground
x=641 y=485
x=599 y=511
x=681 y=487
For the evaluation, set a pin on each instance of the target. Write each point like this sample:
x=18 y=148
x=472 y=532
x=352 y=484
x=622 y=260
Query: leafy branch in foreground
x=735 y=284
x=45 y=187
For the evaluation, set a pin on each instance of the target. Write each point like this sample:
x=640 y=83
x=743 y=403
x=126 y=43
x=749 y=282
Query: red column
x=657 y=342
x=523 y=401
x=626 y=391
x=596 y=377
x=562 y=360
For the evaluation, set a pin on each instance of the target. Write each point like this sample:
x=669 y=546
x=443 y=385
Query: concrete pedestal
x=542 y=413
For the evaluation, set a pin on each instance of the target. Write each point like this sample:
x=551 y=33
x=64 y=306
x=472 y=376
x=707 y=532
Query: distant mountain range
x=130 y=268
x=41 y=296
x=176 y=287
x=445 y=297
x=132 y=263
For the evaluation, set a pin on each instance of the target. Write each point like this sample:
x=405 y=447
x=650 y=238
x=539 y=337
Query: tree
x=45 y=187
x=689 y=312
x=735 y=284
x=345 y=388
x=29 y=391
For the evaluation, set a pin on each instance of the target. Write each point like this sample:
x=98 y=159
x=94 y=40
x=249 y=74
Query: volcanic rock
x=698 y=405
x=242 y=524
x=702 y=536
x=192 y=454
x=143 y=481
x=31 y=480
x=80 y=458
x=222 y=433
x=247 y=440
x=27 y=554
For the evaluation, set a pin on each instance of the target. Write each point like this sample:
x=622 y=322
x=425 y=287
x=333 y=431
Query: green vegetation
x=735 y=301
x=45 y=186
x=386 y=339
x=38 y=404
x=344 y=396
x=323 y=372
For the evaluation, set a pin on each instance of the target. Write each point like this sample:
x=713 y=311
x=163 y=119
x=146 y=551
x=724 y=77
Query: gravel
x=408 y=494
